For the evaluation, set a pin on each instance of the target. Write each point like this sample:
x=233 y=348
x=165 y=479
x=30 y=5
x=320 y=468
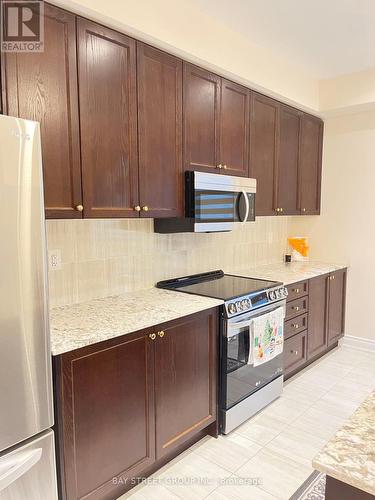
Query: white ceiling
x=327 y=37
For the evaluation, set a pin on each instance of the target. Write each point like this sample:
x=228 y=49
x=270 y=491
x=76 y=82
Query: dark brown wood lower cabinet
x=317 y=339
x=336 y=306
x=336 y=489
x=185 y=380
x=295 y=352
x=122 y=404
x=105 y=416
x=319 y=316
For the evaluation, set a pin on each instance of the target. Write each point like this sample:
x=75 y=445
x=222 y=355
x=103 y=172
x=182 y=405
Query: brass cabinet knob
x=219 y=166
x=280 y=209
x=295 y=290
x=277 y=209
x=79 y=208
x=137 y=208
x=225 y=167
x=152 y=336
x=145 y=208
x=161 y=334
x=333 y=277
x=296 y=326
x=294 y=352
x=295 y=308
x=304 y=210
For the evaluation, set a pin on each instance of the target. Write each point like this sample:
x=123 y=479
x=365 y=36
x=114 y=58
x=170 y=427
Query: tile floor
x=274 y=448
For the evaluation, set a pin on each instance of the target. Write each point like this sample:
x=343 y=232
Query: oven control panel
x=245 y=303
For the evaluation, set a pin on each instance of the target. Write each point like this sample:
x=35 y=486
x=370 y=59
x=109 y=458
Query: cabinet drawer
x=295 y=354
x=297 y=307
x=295 y=325
x=296 y=290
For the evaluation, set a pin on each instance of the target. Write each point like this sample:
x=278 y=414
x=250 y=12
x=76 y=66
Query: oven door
x=240 y=378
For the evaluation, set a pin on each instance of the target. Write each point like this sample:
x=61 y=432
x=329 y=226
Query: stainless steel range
x=251 y=340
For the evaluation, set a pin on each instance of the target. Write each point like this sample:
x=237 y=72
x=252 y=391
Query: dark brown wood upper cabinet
x=310 y=161
x=159 y=132
x=108 y=112
x=121 y=124
x=201 y=113
x=263 y=151
x=336 y=305
x=288 y=156
x=317 y=320
x=43 y=87
x=105 y=415
x=185 y=379
x=234 y=128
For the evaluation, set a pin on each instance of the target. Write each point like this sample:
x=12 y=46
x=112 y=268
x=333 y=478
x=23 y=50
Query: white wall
x=352 y=92
x=345 y=231
x=182 y=29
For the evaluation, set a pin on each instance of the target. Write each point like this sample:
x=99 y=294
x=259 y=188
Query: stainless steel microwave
x=213 y=202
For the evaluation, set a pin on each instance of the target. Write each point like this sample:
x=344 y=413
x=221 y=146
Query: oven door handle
x=247 y=204
x=236 y=327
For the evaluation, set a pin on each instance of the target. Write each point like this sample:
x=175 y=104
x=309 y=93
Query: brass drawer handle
x=161 y=334
x=296 y=326
x=295 y=308
x=152 y=336
x=295 y=290
x=294 y=352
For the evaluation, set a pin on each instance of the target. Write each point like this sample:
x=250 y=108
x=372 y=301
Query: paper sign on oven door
x=267 y=336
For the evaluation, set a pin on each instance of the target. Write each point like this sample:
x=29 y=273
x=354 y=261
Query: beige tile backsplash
x=108 y=257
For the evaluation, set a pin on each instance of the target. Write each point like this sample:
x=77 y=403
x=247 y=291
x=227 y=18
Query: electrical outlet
x=54 y=260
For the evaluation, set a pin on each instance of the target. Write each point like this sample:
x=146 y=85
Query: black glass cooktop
x=217 y=285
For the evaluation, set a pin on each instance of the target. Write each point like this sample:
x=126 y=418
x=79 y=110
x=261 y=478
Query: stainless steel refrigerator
x=27 y=458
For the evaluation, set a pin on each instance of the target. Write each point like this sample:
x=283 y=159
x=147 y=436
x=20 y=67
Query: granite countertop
x=80 y=325
x=350 y=455
x=288 y=272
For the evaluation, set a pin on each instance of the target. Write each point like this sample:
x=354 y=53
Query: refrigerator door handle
x=14 y=466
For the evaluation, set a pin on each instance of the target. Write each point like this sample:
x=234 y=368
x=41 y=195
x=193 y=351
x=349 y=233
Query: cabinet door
x=160 y=132
x=317 y=319
x=234 y=129
x=108 y=112
x=263 y=154
x=201 y=112
x=287 y=171
x=336 y=316
x=43 y=87
x=105 y=416
x=310 y=164
x=185 y=379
